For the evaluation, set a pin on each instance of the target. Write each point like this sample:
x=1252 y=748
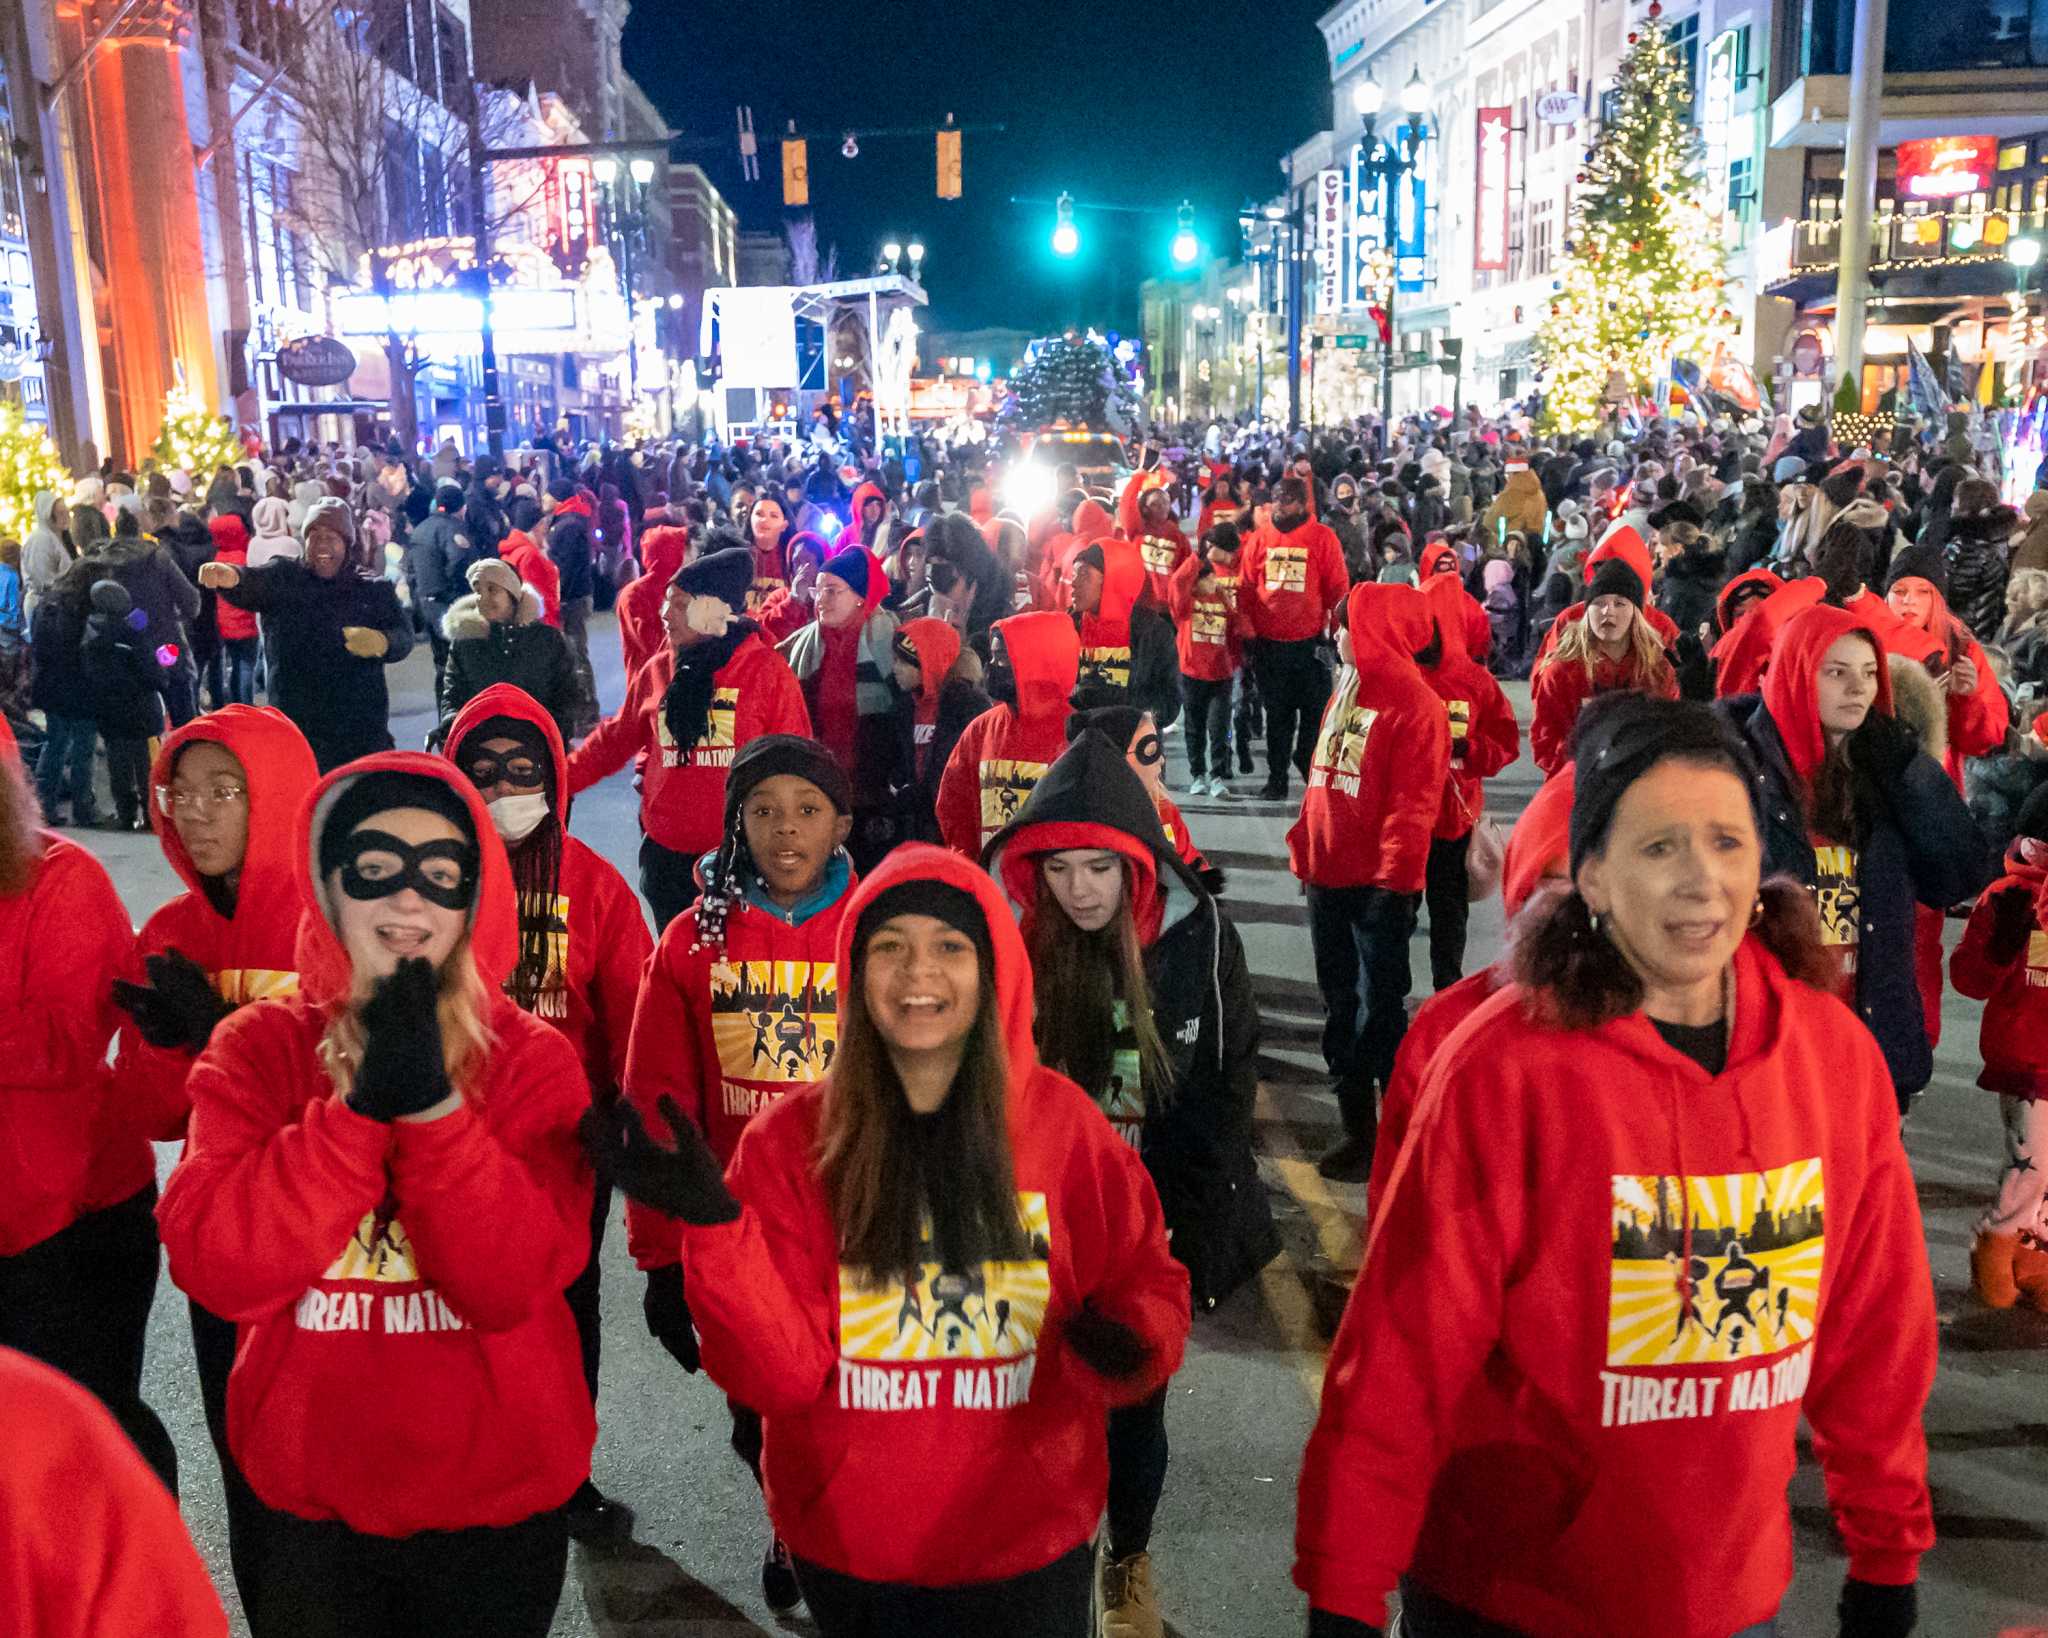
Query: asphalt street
x=1242 y=1406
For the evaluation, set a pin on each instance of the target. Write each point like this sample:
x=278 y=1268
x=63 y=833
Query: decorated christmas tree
x=192 y=438
x=1076 y=380
x=1641 y=283
x=28 y=462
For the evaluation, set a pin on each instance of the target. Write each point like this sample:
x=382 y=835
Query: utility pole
x=1859 y=188
x=1293 y=291
x=480 y=230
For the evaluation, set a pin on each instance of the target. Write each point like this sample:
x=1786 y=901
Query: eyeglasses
x=171 y=800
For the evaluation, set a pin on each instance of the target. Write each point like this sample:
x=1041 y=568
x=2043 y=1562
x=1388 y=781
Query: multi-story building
x=703 y=245
x=569 y=45
x=761 y=257
x=1200 y=358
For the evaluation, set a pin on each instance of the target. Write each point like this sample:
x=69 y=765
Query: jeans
x=1450 y=909
x=1208 y=712
x=1361 y=935
x=181 y=693
x=668 y=882
x=80 y=1300
x=1295 y=688
x=1138 y=1453
x=320 y=1579
x=1047 y=1603
x=65 y=768
x=238 y=663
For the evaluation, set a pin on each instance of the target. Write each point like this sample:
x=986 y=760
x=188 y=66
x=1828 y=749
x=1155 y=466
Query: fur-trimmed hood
x=1918 y=702
x=465 y=616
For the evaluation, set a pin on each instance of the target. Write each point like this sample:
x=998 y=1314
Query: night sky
x=1127 y=102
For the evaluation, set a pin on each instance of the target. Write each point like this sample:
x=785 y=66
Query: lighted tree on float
x=1642 y=281
x=192 y=438
x=28 y=462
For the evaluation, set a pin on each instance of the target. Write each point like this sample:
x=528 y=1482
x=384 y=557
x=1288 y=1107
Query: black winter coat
x=1917 y=844
x=534 y=657
x=56 y=640
x=123 y=681
x=1155 y=668
x=915 y=780
x=340 y=703
x=1977 y=570
x=569 y=544
x=437 y=558
x=158 y=587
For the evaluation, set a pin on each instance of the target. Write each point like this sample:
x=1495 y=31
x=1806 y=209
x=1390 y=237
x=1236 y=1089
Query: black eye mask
x=486 y=768
x=1148 y=751
x=411 y=871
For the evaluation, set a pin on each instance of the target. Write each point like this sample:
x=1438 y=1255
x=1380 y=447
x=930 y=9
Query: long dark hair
x=891 y=1174
x=1078 y=978
x=536 y=884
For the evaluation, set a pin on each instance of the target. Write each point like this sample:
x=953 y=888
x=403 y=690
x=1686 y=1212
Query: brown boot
x=1130 y=1604
x=1991 y=1269
x=2030 y=1274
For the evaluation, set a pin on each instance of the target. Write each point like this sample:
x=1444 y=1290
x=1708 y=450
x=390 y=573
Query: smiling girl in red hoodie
x=382 y=1186
x=939 y=1261
x=1653 y=1205
x=227 y=788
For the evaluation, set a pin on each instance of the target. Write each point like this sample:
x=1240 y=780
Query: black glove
x=1870 y=1611
x=1881 y=749
x=683 y=1182
x=178 y=1008
x=1108 y=1347
x=2012 y=919
x=1322 y=1624
x=668 y=1316
x=402 y=1072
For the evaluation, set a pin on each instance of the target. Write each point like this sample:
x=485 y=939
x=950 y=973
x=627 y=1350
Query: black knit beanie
x=1614 y=578
x=1919 y=563
x=1622 y=736
x=942 y=901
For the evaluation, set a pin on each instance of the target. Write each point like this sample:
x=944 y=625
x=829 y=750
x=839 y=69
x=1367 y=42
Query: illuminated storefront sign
x=1717 y=115
x=1490 y=215
x=1946 y=167
x=1329 y=236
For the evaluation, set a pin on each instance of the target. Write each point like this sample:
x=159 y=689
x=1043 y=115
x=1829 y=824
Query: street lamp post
x=1388 y=163
x=621 y=223
x=2025 y=255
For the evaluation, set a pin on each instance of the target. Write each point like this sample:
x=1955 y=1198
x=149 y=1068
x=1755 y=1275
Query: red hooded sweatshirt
x=861 y=496
x=2013 y=1038
x=1292 y=584
x=1209 y=626
x=641 y=634
x=94 y=1546
x=1742 y=656
x=1091 y=522
x=682 y=793
x=1376 y=780
x=65 y=1147
x=231 y=545
x=938 y=647
x=978 y=1395
x=250 y=953
x=1106 y=634
x=1485 y=737
x=536 y=569
x=1162 y=547
x=1977 y=721
x=1562 y=687
x=406 y=1361
x=1647 y=1294
x=727 y=1034
x=1005 y=751
x=599 y=940
x=1539 y=845
x=1455 y=606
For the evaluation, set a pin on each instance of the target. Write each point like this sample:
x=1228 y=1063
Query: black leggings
x=213 y=1352
x=584 y=1292
x=80 y=1301
x=1450 y=909
x=1137 y=1473
x=320 y=1579
x=1048 y=1603
x=1206 y=706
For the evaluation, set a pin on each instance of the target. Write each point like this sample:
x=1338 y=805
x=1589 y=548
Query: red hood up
x=504 y=700
x=230 y=533
x=938 y=646
x=1092 y=521
x=1437 y=558
x=323 y=965
x=10 y=749
x=1045 y=655
x=1448 y=604
x=1541 y=838
x=1386 y=622
x=1790 y=686
x=1017 y=864
x=1749 y=577
x=866 y=492
x=921 y=862
x=1627 y=545
x=1123 y=580
x=279 y=766
x=662 y=550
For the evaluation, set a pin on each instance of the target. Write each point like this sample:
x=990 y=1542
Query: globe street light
x=1415 y=95
x=1367 y=98
x=642 y=170
x=892 y=253
x=915 y=253
x=2023 y=253
x=605 y=169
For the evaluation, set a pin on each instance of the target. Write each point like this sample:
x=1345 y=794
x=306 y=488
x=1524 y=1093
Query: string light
x=193 y=439
x=28 y=463
x=1642 y=277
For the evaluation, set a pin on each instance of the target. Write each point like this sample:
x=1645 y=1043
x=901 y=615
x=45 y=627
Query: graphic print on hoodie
x=1005 y=751
x=1106 y=634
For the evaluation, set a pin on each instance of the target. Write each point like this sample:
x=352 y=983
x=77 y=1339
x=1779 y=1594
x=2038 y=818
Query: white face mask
x=516 y=817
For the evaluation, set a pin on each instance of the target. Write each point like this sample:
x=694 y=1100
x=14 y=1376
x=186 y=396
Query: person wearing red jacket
x=227 y=788
x=235 y=682
x=663 y=550
x=1210 y=629
x=1438 y=576
x=78 y=1247
x=714 y=687
x=1613 y=649
x=938 y=688
x=939 y=1260
x=1652 y=1206
x=1625 y=544
x=737 y=1012
x=582 y=944
x=1144 y=515
x=1091 y=522
x=94 y=1544
x=382 y=1187
x=1537 y=856
x=1291 y=582
x=788 y=609
x=1485 y=738
x=1733 y=606
x=1127 y=648
x=1034 y=660
x=1361 y=848
x=533 y=566
x=2003 y=962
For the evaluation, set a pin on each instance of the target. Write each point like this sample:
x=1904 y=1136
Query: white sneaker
x=1218 y=788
